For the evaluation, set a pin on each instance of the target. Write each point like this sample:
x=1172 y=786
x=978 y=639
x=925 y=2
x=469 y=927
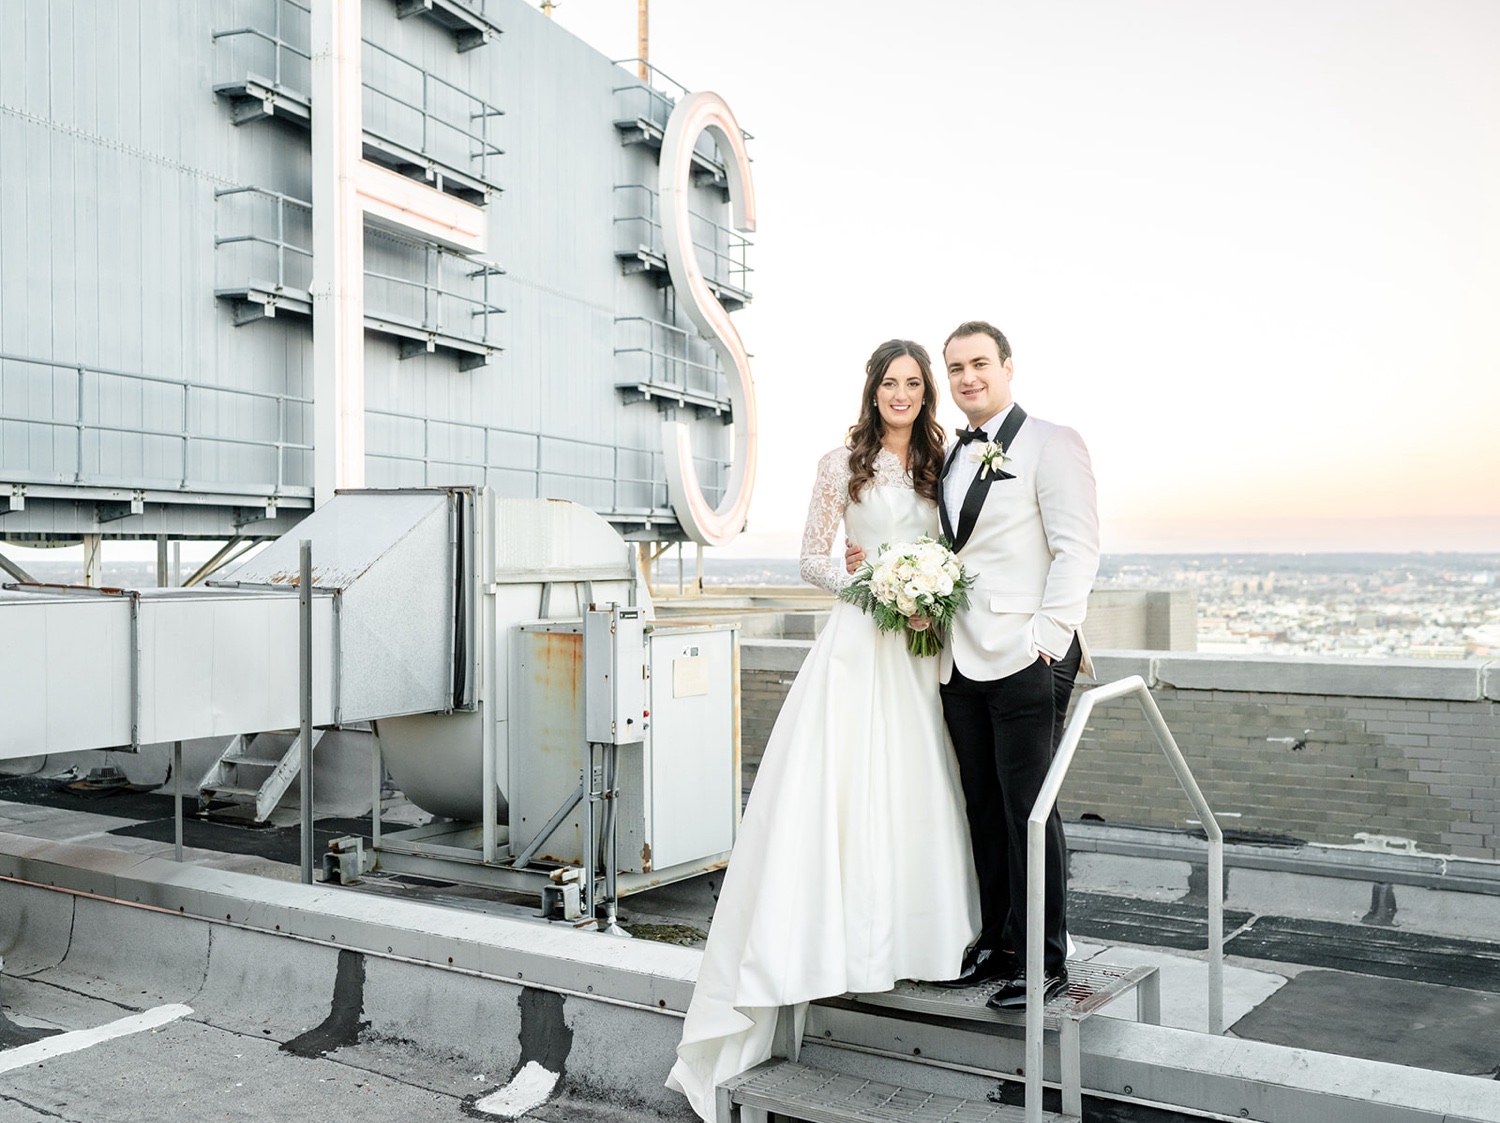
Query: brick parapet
x=1403 y=753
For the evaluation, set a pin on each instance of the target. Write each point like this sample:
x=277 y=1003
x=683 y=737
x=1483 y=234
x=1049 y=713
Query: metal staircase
x=785 y=1086
x=820 y=1096
x=788 y=1087
x=255 y=769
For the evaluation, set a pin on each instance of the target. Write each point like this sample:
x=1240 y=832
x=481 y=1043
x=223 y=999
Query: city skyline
x=1251 y=254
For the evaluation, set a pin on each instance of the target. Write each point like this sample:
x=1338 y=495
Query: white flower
x=991 y=458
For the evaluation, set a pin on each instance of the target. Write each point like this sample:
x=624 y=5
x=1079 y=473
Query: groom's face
x=978 y=380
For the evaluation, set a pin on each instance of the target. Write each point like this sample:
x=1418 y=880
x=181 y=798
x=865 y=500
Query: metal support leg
x=177 y=795
x=93 y=560
x=725 y=1109
x=304 y=605
x=1148 y=999
x=15 y=570
x=787 y=1041
x=377 y=779
x=1071 y=1067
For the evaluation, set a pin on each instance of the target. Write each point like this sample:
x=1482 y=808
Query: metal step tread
x=226 y=790
x=821 y=1096
x=1091 y=986
x=256 y=761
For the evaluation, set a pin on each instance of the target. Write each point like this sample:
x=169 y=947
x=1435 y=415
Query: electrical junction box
x=614 y=675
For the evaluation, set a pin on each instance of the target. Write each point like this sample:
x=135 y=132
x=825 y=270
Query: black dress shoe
x=1012 y=996
x=983 y=966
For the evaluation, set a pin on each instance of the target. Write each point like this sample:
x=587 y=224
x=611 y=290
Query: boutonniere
x=992 y=458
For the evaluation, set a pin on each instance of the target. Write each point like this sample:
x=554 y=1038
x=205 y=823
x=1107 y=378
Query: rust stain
x=558 y=661
x=645 y=857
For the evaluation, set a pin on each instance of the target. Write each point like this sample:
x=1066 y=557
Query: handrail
x=649 y=83
x=459 y=125
x=481 y=147
x=434 y=286
x=1036 y=861
x=182 y=481
x=726 y=264
x=431 y=286
x=280 y=243
x=679 y=366
x=707 y=467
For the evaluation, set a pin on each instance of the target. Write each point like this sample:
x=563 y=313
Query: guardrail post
x=304 y=668
x=1036 y=867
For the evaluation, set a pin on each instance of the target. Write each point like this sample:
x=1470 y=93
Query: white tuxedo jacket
x=1033 y=551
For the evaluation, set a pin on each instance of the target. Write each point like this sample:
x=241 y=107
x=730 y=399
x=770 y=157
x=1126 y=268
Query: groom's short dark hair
x=980 y=327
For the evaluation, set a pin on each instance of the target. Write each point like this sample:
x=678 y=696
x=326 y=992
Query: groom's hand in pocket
x=854 y=556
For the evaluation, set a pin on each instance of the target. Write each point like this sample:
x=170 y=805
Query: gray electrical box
x=614 y=675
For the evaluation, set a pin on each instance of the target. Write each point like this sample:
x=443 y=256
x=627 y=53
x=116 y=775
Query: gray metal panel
x=210 y=664
x=215 y=664
x=64 y=674
x=349 y=536
x=695 y=775
x=392 y=556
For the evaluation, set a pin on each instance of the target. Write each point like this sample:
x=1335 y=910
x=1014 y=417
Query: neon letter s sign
x=694 y=115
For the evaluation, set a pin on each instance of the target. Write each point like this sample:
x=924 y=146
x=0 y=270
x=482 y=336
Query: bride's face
x=899 y=395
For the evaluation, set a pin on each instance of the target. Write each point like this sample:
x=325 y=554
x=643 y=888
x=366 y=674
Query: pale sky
x=1251 y=251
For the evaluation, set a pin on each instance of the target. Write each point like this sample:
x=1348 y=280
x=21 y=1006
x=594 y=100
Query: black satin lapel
x=1012 y=425
x=968 y=514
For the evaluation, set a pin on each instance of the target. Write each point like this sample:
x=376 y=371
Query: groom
x=1017 y=502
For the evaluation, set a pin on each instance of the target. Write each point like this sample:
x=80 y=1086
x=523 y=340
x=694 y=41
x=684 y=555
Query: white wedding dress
x=853 y=867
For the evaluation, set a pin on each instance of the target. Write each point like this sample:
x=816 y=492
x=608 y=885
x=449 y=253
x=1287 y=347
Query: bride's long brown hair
x=927 y=436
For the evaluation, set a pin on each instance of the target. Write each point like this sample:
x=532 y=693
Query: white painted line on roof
x=529 y=1089
x=57 y=1045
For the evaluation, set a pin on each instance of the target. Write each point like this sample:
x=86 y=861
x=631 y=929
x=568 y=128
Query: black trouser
x=1005 y=733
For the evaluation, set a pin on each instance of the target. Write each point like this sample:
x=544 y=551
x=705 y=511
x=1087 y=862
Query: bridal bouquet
x=915 y=587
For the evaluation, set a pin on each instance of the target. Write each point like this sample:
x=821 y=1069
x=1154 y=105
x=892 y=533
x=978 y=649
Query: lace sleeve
x=824 y=513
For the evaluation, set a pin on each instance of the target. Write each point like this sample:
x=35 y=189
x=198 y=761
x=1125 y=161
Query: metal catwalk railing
x=285 y=43
x=441 y=120
x=404 y=104
x=667 y=353
x=1036 y=868
x=655 y=96
x=434 y=301
x=609 y=489
x=721 y=250
x=79 y=398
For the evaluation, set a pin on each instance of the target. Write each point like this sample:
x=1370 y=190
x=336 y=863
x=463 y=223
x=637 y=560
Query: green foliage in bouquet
x=912 y=579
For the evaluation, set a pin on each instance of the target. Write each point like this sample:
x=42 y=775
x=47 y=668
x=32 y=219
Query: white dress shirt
x=966 y=466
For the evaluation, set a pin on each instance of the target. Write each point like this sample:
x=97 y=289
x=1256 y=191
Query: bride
x=853 y=867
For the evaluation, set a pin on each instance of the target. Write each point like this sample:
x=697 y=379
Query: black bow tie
x=967 y=435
